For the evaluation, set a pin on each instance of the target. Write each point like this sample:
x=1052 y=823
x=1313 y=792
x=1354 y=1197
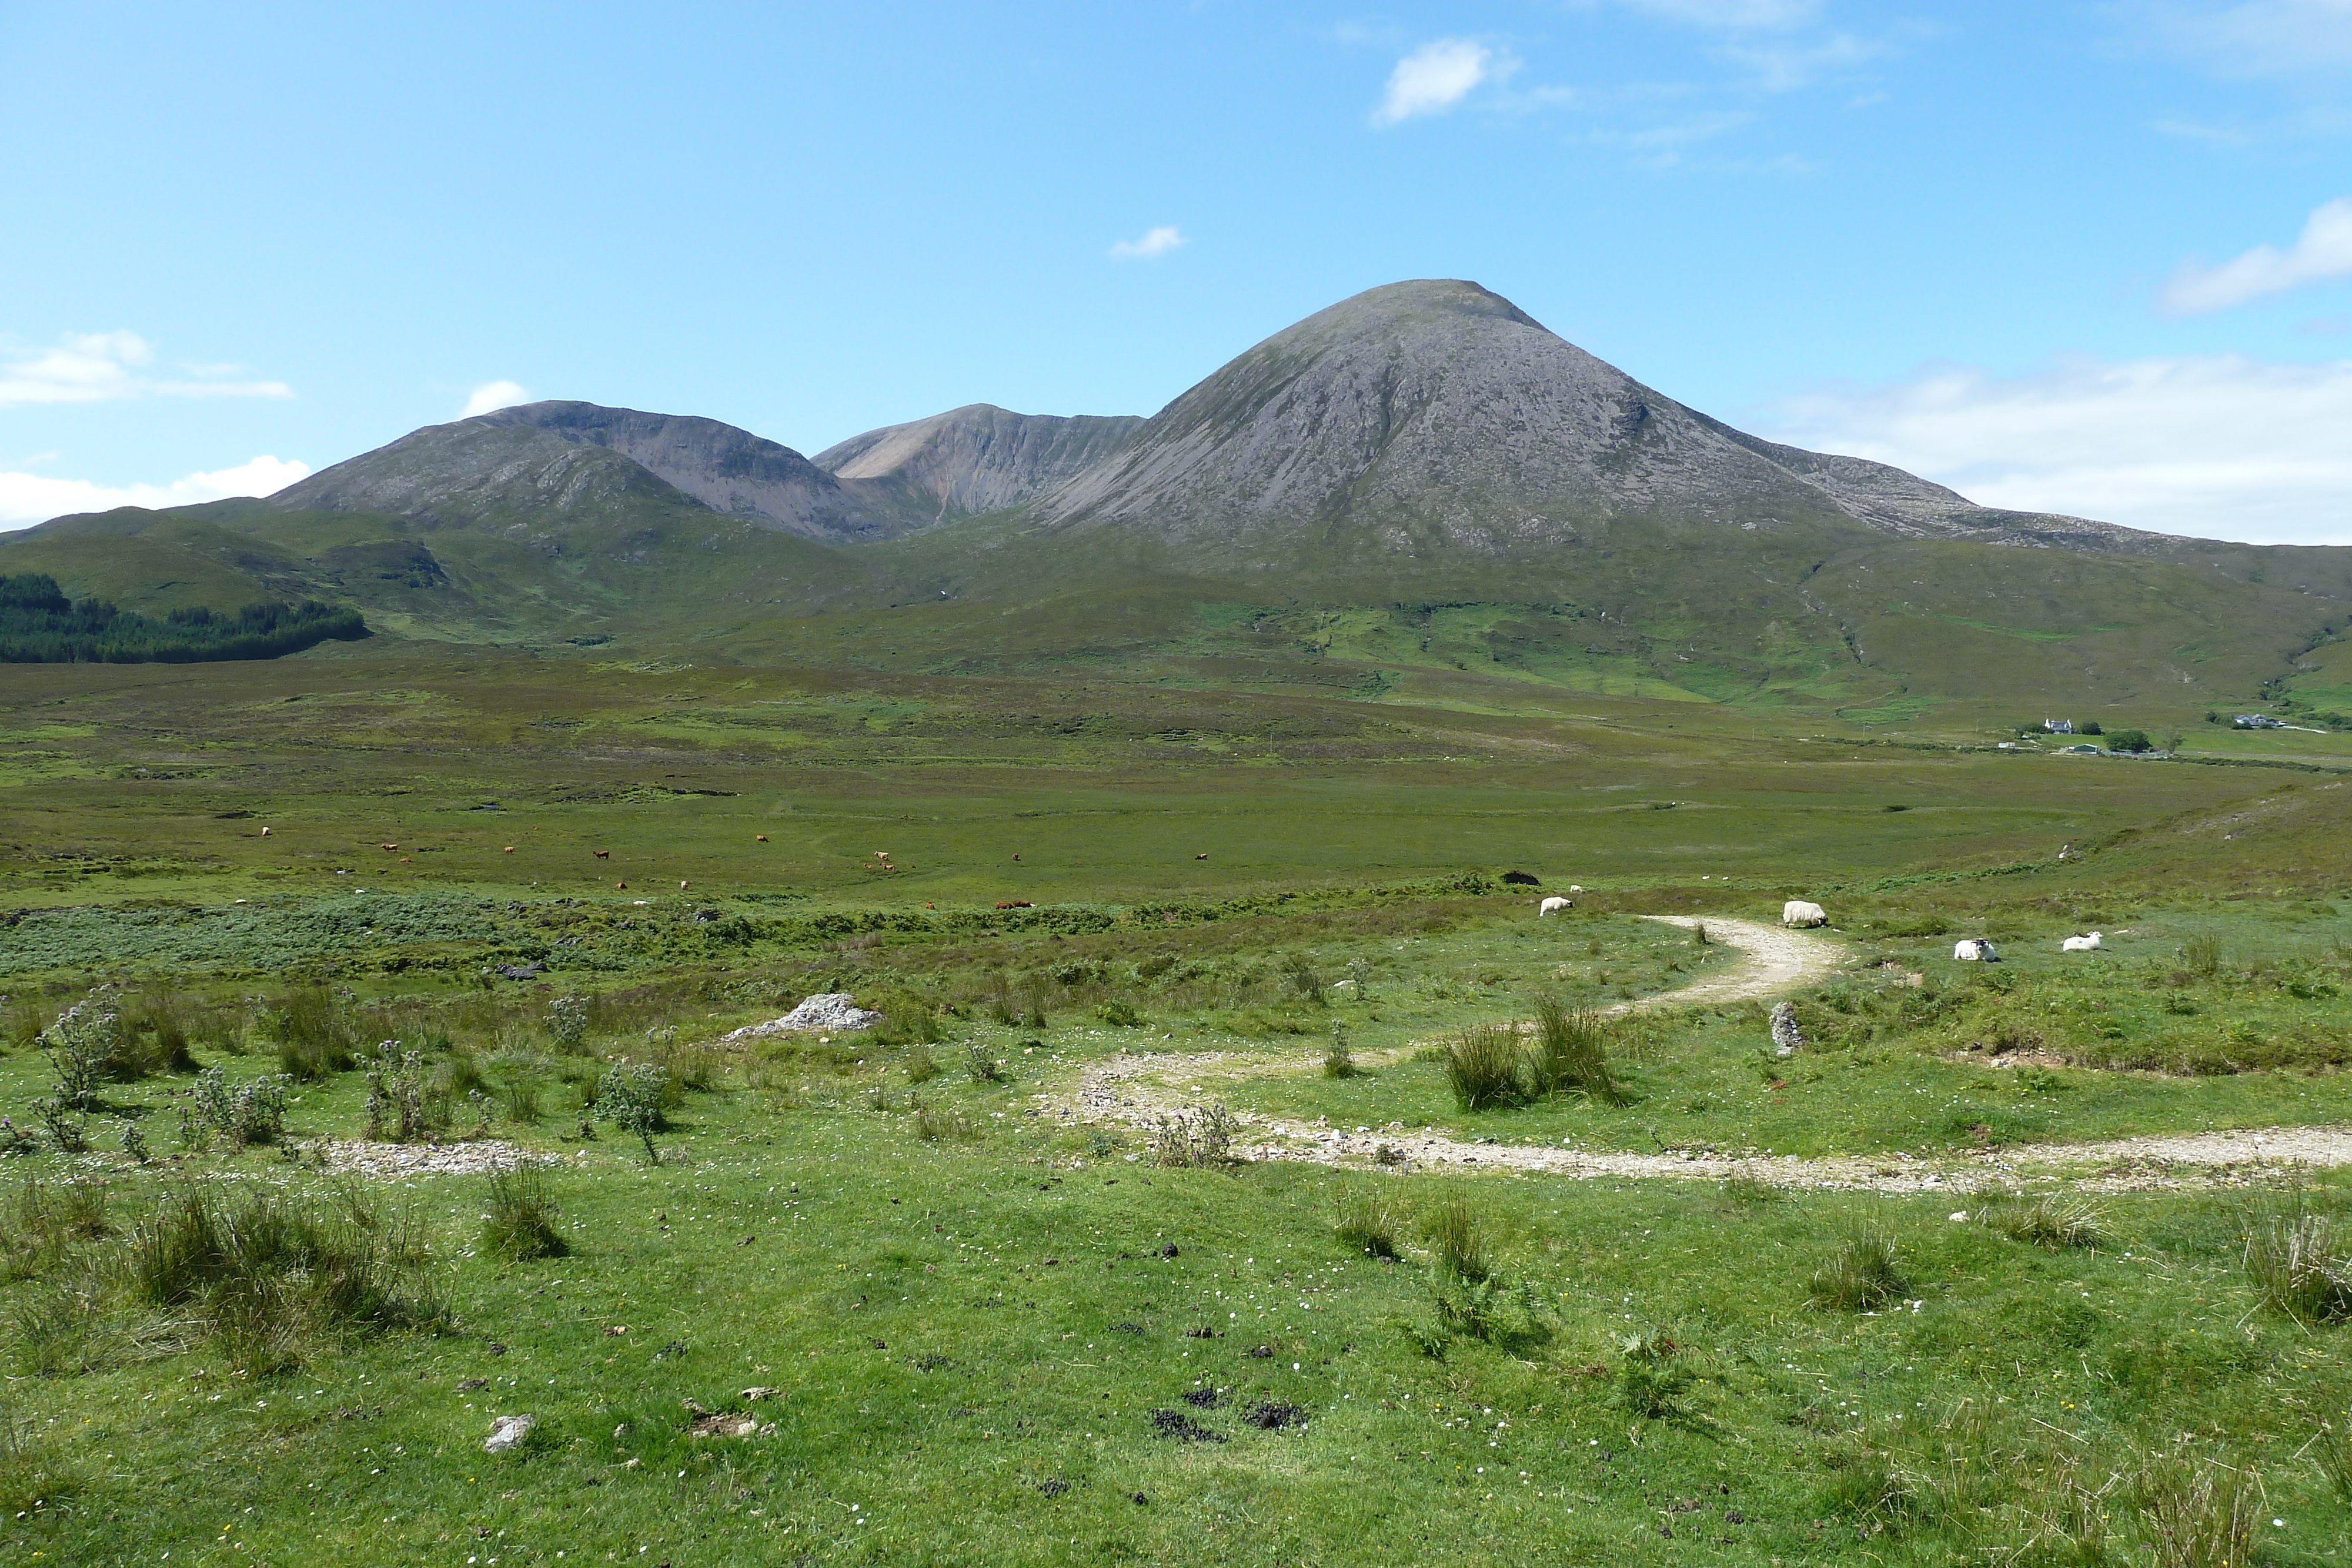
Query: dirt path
x=1138 y=1090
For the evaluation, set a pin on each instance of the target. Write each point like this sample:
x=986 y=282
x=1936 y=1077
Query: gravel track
x=1138 y=1090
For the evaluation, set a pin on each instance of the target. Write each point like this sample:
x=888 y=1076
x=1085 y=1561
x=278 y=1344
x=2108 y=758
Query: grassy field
x=986 y=1333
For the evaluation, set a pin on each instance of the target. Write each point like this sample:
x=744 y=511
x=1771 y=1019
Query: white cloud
x=2214 y=448
x=1433 y=78
x=28 y=498
x=2324 y=251
x=491 y=396
x=105 y=366
x=1156 y=242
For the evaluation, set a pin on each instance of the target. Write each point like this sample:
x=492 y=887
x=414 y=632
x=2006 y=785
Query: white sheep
x=2090 y=944
x=1550 y=906
x=1975 y=950
x=1797 y=912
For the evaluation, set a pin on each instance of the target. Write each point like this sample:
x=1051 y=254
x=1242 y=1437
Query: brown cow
x=392 y=846
x=761 y=838
x=603 y=854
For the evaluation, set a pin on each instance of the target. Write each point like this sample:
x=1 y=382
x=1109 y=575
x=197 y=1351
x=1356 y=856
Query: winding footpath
x=1137 y=1090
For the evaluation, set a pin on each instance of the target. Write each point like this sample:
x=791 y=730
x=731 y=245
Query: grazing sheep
x=2090 y=944
x=1975 y=950
x=1797 y=912
x=1550 y=906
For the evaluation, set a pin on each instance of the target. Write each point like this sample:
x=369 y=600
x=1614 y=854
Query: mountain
x=1420 y=484
x=1436 y=417
x=979 y=458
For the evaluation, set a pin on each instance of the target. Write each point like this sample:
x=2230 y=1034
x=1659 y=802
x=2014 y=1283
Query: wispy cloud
x=491 y=396
x=1435 y=78
x=2323 y=251
x=2215 y=447
x=2280 y=38
x=1155 y=243
x=1731 y=16
x=104 y=367
x=28 y=498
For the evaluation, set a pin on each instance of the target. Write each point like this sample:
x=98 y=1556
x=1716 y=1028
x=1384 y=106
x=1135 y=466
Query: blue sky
x=2095 y=256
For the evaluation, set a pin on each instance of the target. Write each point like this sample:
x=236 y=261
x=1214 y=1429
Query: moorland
x=1232 y=1164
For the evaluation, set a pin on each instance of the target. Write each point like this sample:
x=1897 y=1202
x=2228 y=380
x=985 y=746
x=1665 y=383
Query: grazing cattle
x=681 y=886
x=392 y=846
x=1797 y=912
x=1016 y=904
x=1975 y=950
x=507 y=851
x=603 y=854
x=622 y=885
x=760 y=838
x=1550 y=906
x=1195 y=857
x=2090 y=944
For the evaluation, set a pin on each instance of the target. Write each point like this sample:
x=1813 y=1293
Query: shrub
x=567 y=1023
x=521 y=1224
x=1369 y=1223
x=1199 y=1138
x=1484 y=1067
x=1338 y=1056
x=1121 y=1015
x=314 y=1034
x=253 y=1111
x=397 y=1106
x=1861 y=1277
x=1455 y=1245
x=2130 y=740
x=984 y=1066
x=1302 y=980
x=82 y=1047
x=2300 y=1267
x=630 y=1097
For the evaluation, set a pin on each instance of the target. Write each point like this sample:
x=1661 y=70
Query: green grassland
x=980 y=1345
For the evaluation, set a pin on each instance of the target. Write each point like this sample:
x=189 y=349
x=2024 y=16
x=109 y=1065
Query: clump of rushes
x=933 y=1122
x=1483 y=1066
x=520 y=1223
x=2300 y=1266
x=1339 y=1055
x=1370 y=1223
x=1571 y=1052
x=314 y=1032
x=1456 y=1245
x=2051 y=1221
x=921 y=1065
x=1861 y=1277
x=2198 y=1515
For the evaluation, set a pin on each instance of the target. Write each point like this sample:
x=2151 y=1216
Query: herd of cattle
x=1801 y=911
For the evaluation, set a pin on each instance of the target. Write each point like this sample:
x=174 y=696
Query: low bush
x=252 y=1112
x=1651 y=1380
x=1339 y=1056
x=630 y=1097
x=921 y=1065
x=520 y=1223
x=1862 y=1275
x=983 y=1064
x=1202 y=1138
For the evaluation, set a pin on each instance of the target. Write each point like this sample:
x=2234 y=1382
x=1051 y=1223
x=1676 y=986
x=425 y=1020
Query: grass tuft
x=1861 y=1277
x=521 y=1224
x=1457 y=1246
x=2198 y=1515
x=1370 y=1223
x=2300 y=1266
x=2052 y=1220
x=1484 y=1067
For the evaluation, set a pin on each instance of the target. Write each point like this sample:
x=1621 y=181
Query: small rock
x=761 y=1392
x=508 y=1432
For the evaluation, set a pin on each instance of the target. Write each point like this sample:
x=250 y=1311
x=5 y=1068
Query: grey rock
x=508 y=1432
